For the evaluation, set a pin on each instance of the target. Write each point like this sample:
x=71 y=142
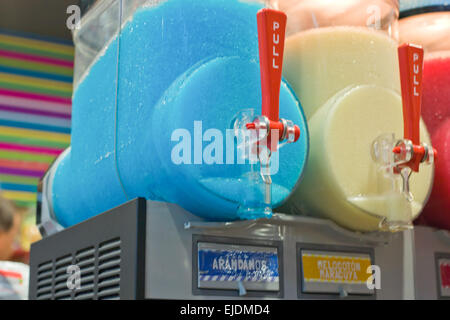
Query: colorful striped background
x=35 y=108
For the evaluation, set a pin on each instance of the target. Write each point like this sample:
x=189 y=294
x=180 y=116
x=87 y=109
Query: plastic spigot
x=409 y=151
x=271 y=36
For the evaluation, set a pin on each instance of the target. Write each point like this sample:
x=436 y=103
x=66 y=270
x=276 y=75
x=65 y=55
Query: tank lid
x=414 y=7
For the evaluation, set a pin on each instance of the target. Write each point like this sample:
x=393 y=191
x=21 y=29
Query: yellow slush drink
x=347 y=80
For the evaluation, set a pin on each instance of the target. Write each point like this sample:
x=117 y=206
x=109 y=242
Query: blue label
x=237 y=265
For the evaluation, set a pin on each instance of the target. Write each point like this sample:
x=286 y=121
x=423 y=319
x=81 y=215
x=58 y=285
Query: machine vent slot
x=44 y=295
x=45 y=268
x=85 y=255
x=109 y=258
x=84 y=295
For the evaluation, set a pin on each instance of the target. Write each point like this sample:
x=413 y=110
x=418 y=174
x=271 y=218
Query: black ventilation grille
x=100 y=268
x=109 y=249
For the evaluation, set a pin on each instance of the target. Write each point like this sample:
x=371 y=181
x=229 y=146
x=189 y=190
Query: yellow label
x=335 y=268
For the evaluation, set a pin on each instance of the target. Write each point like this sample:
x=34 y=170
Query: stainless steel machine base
x=146 y=249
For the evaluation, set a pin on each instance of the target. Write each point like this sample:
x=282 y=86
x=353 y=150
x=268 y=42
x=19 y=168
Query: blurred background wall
x=36 y=69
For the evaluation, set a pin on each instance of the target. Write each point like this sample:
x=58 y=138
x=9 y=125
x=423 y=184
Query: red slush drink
x=436 y=114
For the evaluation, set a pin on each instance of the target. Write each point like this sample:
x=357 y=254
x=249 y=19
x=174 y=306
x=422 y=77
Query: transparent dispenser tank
x=427 y=23
x=341 y=60
x=158 y=88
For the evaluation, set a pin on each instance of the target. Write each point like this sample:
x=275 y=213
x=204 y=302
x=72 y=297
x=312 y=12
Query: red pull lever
x=271 y=35
x=411 y=65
